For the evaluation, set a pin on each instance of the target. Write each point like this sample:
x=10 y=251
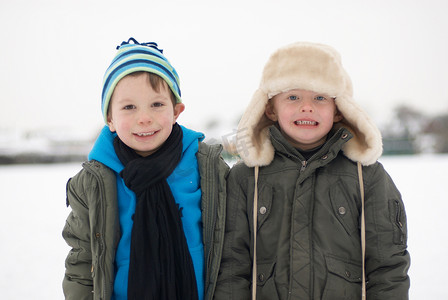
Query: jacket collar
x=104 y=152
x=336 y=140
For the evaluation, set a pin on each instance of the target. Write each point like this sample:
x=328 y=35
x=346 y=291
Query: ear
x=337 y=116
x=270 y=112
x=178 y=109
x=110 y=123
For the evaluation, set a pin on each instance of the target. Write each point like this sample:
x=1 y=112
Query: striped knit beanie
x=134 y=57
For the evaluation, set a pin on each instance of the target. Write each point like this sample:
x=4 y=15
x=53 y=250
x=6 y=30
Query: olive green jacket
x=308 y=237
x=92 y=229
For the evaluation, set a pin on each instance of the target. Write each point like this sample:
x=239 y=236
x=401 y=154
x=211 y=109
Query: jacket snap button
x=344 y=136
x=347 y=273
x=324 y=157
x=342 y=210
x=262 y=210
x=97 y=234
x=261 y=277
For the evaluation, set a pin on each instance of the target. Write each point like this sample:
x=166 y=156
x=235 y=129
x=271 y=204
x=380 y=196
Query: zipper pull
x=303 y=166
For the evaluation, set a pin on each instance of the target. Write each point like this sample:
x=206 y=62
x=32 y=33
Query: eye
x=129 y=107
x=320 y=98
x=292 y=97
x=157 y=104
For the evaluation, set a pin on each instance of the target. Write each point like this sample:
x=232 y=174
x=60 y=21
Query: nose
x=306 y=105
x=144 y=117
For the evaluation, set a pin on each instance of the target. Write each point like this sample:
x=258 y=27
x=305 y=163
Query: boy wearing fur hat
x=147 y=219
x=324 y=209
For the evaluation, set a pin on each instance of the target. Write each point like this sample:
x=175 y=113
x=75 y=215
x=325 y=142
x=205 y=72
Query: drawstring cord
x=255 y=221
x=363 y=232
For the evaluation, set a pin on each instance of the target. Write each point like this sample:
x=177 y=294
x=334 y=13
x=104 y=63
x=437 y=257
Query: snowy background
x=33 y=212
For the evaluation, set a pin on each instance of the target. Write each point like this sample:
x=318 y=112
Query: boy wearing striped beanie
x=148 y=207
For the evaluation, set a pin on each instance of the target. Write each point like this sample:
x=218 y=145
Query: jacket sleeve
x=387 y=260
x=77 y=283
x=234 y=279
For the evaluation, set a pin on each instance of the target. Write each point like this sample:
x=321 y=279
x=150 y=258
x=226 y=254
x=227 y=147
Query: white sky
x=54 y=53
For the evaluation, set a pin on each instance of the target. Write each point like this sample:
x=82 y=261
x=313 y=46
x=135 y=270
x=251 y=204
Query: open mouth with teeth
x=306 y=122
x=143 y=134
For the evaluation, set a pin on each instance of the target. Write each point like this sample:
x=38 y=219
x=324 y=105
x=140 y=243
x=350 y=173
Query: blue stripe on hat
x=136 y=50
x=131 y=58
x=142 y=62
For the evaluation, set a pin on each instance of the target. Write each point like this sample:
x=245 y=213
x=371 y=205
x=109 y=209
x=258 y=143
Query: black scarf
x=160 y=264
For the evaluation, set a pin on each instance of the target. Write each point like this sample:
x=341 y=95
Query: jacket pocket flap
x=350 y=271
x=344 y=208
x=264 y=272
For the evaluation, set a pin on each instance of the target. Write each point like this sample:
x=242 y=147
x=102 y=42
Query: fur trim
x=314 y=67
x=366 y=146
x=253 y=144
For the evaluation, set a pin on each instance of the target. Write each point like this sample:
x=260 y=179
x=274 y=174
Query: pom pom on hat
x=135 y=57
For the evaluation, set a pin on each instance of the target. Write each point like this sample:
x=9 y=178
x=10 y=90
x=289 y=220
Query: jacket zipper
x=99 y=235
x=210 y=219
x=398 y=220
x=304 y=163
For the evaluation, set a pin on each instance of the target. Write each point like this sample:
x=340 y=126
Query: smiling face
x=304 y=117
x=142 y=117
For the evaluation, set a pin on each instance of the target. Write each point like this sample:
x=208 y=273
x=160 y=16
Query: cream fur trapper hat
x=313 y=67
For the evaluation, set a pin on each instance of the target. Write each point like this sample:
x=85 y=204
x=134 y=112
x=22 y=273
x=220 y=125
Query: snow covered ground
x=33 y=212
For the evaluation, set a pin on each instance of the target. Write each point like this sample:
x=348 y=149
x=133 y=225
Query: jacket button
x=344 y=136
x=97 y=234
x=262 y=210
x=342 y=210
x=261 y=277
x=348 y=274
x=325 y=157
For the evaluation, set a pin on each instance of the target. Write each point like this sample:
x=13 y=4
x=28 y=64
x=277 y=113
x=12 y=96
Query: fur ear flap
x=252 y=138
x=366 y=145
